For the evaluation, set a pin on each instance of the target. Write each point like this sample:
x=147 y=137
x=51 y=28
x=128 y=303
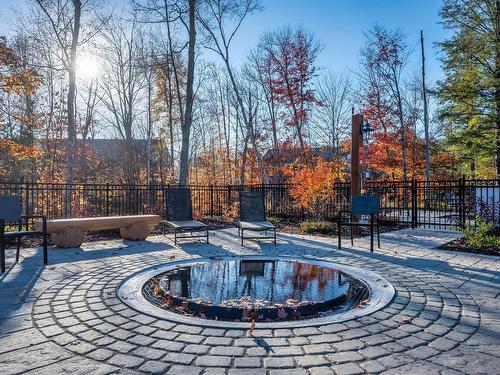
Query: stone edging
x=381 y=293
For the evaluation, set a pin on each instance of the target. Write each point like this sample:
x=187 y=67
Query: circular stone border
x=130 y=292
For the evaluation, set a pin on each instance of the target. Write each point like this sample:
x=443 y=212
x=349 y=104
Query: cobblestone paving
x=66 y=317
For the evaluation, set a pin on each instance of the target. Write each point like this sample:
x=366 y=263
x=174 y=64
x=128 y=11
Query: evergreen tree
x=470 y=91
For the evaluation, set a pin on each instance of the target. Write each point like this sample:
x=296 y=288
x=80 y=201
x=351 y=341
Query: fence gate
x=438 y=204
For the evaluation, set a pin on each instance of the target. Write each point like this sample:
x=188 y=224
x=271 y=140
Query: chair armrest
x=43 y=217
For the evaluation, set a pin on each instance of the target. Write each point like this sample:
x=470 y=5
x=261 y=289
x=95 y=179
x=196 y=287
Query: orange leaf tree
x=312 y=182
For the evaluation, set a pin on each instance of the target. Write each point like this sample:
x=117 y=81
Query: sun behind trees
x=161 y=99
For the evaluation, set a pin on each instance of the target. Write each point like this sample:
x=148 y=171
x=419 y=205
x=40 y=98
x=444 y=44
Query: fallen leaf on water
x=157 y=290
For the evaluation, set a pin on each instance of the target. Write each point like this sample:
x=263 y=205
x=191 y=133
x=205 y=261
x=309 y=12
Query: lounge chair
x=10 y=213
x=361 y=205
x=253 y=215
x=179 y=214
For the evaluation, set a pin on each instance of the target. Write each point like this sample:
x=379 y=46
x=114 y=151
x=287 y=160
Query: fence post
x=164 y=206
x=461 y=197
x=107 y=199
x=27 y=199
x=412 y=194
x=413 y=203
x=211 y=200
x=417 y=195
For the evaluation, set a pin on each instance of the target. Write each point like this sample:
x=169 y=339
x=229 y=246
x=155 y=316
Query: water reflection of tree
x=305 y=274
x=270 y=295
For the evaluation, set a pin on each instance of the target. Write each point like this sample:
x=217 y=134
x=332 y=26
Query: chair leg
x=45 y=245
x=207 y=236
x=175 y=236
x=378 y=234
x=18 y=243
x=340 y=235
x=274 y=236
x=371 y=237
x=241 y=236
x=18 y=248
x=352 y=237
x=2 y=254
x=2 y=246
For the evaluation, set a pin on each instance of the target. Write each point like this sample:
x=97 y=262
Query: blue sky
x=337 y=24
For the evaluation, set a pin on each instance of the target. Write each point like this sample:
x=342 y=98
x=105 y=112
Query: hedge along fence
x=437 y=204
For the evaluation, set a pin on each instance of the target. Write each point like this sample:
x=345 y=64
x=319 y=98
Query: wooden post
x=356 y=144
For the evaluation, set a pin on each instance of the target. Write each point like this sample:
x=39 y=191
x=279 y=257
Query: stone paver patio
x=66 y=317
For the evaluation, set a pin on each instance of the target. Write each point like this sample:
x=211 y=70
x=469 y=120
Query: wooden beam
x=357 y=120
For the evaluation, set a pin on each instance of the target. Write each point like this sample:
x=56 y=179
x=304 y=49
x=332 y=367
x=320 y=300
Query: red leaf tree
x=289 y=55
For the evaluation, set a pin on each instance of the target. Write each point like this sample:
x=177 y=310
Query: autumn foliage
x=290 y=57
x=312 y=180
x=17 y=80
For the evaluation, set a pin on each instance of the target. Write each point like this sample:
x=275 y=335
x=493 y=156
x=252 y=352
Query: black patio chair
x=10 y=213
x=253 y=215
x=367 y=205
x=179 y=214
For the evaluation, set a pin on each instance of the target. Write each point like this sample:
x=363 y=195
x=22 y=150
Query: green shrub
x=482 y=237
x=274 y=220
x=322 y=227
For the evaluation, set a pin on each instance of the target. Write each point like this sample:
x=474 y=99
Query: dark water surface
x=265 y=282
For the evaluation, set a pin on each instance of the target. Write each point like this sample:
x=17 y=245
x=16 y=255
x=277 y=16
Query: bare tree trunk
x=170 y=96
x=246 y=120
x=188 y=115
x=221 y=39
x=403 y=134
x=71 y=142
x=426 y=115
x=149 y=134
x=70 y=162
x=243 y=164
x=90 y=103
x=252 y=119
x=497 y=85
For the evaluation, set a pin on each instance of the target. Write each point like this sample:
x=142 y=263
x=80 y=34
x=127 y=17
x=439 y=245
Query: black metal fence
x=445 y=204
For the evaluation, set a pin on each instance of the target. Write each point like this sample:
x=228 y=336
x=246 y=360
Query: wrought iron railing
x=433 y=204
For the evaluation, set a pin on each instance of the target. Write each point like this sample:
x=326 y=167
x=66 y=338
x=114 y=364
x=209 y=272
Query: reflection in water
x=267 y=282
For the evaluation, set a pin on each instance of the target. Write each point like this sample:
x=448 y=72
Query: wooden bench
x=70 y=232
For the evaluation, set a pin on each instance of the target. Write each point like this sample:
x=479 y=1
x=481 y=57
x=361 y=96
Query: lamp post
x=366 y=130
x=360 y=131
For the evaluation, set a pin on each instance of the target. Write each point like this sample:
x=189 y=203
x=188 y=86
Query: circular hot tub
x=273 y=291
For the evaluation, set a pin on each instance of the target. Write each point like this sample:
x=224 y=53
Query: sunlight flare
x=88 y=67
